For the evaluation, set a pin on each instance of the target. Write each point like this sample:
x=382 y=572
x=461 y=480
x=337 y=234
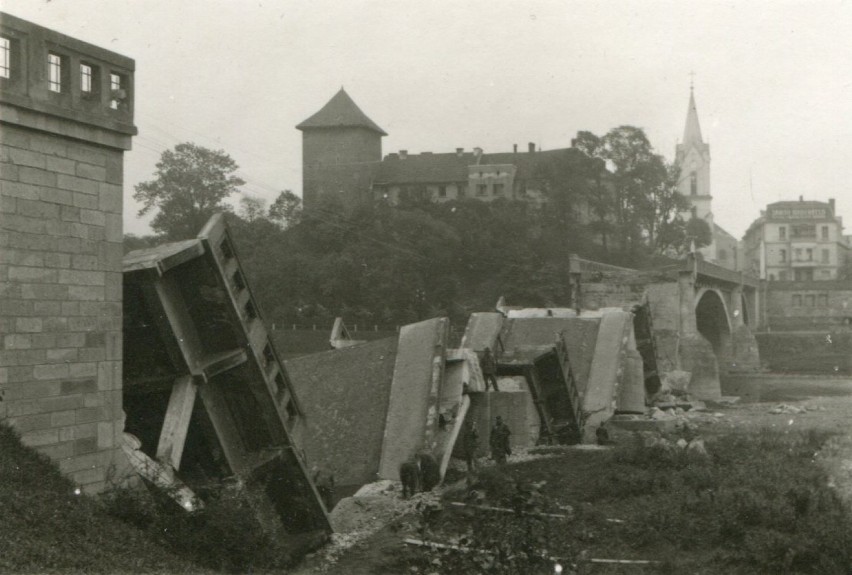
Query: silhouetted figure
x=489 y=369
x=324 y=482
x=430 y=471
x=409 y=475
x=499 y=441
x=470 y=443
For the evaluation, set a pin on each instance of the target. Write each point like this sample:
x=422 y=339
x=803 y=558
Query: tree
x=641 y=192
x=286 y=210
x=252 y=208
x=190 y=185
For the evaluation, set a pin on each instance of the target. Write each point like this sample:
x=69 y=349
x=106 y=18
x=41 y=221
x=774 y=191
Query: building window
x=85 y=78
x=824 y=232
x=782 y=233
x=442 y=191
x=810 y=300
x=797 y=300
x=798 y=254
x=810 y=254
x=826 y=256
x=803 y=231
x=782 y=275
x=5 y=58
x=118 y=93
x=461 y=190
x=822 y=300
x=825 y=274
x=498 y=189
x=54 y=73
x=693 y=184
x=783 y=254
x=482 y=189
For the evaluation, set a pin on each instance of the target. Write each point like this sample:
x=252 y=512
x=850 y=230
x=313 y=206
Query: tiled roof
x=340 y=112
x=424 y=168
x=430 y=168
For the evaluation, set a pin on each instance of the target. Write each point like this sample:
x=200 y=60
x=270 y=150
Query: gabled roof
x=424 y=168
x=340 y=112
x=430 y=168
x=692 y=130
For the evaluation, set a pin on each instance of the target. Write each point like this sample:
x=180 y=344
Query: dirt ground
x=374 y=527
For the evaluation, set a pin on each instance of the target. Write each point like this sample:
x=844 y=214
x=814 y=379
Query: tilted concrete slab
x=415 y=393
x=483 y=330
x=345 y=393
x=607 y=370
x=526 y=338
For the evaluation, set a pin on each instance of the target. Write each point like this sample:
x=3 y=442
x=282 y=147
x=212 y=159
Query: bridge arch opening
x=712 y=322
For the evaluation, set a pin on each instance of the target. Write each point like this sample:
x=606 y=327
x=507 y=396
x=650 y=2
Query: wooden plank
x=507 y=510
x=216 y=364
x=163 y=477
x=176 y=423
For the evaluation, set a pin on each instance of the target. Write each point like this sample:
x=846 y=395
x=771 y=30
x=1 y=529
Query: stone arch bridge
x=696 y=317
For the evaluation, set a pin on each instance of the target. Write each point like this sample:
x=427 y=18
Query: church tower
x=341 y=148
x=693 y=157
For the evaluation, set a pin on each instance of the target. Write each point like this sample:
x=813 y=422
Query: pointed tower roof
x=340 y=112
x=692 y=131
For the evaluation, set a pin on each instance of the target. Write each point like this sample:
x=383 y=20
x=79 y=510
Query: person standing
x=489 y=369
x=470 y=442
x=499 y=441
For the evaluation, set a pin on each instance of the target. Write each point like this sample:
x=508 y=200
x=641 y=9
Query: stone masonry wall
x=62 y=139
x=60 y=312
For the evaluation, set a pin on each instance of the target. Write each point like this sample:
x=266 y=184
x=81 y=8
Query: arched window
x=693 y=184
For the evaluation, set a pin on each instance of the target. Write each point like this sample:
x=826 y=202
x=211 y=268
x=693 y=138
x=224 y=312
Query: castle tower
x=693 y=157
x=341 y=148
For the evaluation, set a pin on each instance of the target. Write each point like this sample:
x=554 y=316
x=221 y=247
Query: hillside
x=48 y=528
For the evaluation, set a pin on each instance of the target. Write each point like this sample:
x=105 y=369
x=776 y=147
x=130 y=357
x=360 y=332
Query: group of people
x=499 y=442
x=420 y=472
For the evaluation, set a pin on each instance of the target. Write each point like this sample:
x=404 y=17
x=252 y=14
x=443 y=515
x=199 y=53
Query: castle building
x=341 y=148
x=796 y=241
x=693 y=157
x=342 y=155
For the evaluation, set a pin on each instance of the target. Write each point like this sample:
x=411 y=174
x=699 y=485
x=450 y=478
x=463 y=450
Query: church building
x=693 y=157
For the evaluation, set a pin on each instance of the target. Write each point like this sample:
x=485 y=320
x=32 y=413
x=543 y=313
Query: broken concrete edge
x=214 y=246
x=412 y=411
x=607 y=368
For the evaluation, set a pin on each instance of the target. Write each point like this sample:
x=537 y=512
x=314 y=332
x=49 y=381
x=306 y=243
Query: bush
x=226 y=534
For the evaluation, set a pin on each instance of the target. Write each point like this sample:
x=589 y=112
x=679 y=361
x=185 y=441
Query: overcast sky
x=773 y=81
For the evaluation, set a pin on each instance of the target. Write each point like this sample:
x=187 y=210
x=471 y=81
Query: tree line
x=610 y=198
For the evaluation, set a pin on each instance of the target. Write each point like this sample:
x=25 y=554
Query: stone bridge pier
x=714 y=325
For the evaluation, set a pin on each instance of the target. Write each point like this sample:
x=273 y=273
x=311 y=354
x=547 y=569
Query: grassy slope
x=760 y=505
x=46 y=528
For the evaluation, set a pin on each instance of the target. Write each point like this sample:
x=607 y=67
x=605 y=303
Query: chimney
x=459 y=152
x=515 y=148
x=403 y=154
x=801 y=198
x=831 y=205
x=477 y=152
x=531 y=147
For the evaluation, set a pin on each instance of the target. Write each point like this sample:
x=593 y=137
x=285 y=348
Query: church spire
x=692 y=131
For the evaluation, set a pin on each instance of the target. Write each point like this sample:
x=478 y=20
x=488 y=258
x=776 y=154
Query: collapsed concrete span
x=204 y=391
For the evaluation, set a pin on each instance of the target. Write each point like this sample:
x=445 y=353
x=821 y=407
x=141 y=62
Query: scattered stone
x=676 y=381
x=682 y=443
x=697 y=451
x=783 y=408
